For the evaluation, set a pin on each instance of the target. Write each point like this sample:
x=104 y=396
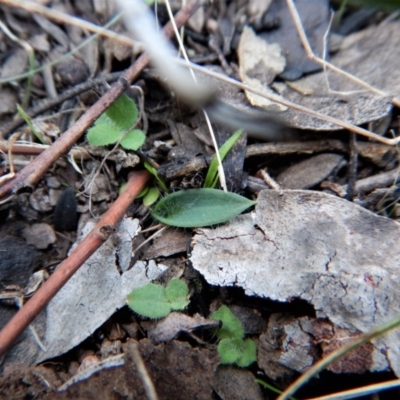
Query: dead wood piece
x=176 y=170
x=385 y=179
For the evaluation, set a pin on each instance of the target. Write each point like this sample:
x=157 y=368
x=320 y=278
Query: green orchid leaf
x=178 y=294
x=133 y=139
x=231 y=326
x=212 y=173
x=151 y=196
x=103 y=135
x=149 y=301
x=199 y=207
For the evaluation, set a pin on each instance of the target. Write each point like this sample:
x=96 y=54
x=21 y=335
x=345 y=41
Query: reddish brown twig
x=99 y=234
x=31 y=174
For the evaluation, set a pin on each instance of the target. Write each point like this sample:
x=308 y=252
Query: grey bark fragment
x=95 y=292
x=339 y=257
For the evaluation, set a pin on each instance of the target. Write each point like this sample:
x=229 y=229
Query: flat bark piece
x=236 y=384
x=168 y=243
x=259 y=63
x=332 y=253
x=94 y=293
x=371 y=55
x=310 y=172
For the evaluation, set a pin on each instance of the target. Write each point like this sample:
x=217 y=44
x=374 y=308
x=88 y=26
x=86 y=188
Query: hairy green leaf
x=212 y=173
x=133 y=139
x=123 y=113
x=151 y=196
x=229 y=350
x=103 y=135
x=149 y=301
x=199 y=207
x=231 y=326
x=248 y=353
x=178 y=294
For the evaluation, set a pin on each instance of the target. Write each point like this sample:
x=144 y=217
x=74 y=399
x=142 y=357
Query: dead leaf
x=310 y=172
x=259 y=63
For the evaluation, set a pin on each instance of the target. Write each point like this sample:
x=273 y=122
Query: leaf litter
x=330 y=296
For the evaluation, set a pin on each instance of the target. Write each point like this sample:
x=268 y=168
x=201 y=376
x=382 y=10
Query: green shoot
x=154 y=172
x=273 y=389
x=233 y=348
x=28 y=121
x=212 y=174
x=115 y=124
x=155 y=301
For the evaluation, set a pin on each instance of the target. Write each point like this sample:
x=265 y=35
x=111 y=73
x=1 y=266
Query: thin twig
x=99 y=234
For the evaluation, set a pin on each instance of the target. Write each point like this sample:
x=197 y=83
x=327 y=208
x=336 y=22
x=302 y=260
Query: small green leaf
x=248 y=353
x=123 y=113
x=237 y=351
x=150 y=301
x=178 y=294
x=103 y=135
x=199 y=207
x=229 y=350
x=151 y=196
x=231 y=326
x=212 y=173
x=133 y=139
